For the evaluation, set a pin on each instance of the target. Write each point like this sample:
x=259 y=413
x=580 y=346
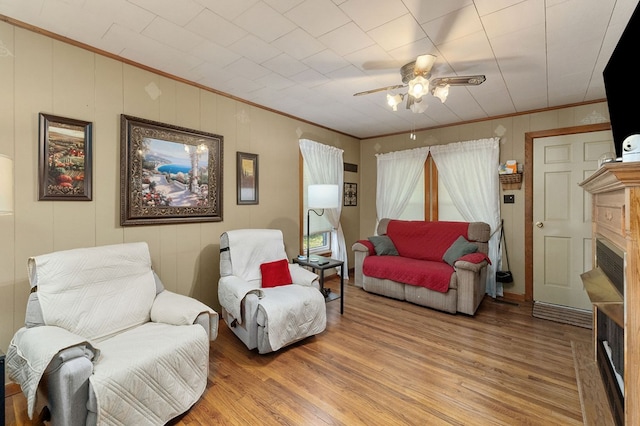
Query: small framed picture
x=247 y=178
x=350 y=194
x=64 y=160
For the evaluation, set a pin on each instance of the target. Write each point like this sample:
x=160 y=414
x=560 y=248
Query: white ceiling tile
x=183 y=65
x=25 y=11
x=275 y=81
x=120 y=12
x=473 y=47
x=427 y=10
x=368 y=14
x=213 y=27
x=298 y=44
x=505 y=21
x=317 y=17
x=119 y=38
x=325 y=61
x=362 y=59
x=264 y=22
x=285 y=65
x=247 y=69
x=454 y=25
x=283 y=6
x=255 y=49
x=241 y=85
x=215 y=54
x=310 y=78
x=486 y=7
x=346 y=39
x=228 y=9
x=177 y=11
x=398 y=32
x=211 y=73
x=172 y=35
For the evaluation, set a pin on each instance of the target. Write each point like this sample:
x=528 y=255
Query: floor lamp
x=320 y=197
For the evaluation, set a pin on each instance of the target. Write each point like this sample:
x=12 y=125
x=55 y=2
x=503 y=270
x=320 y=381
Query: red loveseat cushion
x=418 y=239
x=434 y=275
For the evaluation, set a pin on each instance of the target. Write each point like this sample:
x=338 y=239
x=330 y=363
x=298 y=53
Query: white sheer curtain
x=469 y=171
x=326 y=166
x=398 y=174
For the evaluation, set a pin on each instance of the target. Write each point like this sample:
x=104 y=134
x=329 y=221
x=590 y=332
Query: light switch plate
x=509 y=199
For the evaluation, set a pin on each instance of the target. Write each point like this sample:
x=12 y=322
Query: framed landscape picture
x=64 y=160
x=169 y=174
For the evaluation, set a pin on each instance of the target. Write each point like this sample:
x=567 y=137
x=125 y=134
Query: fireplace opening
x=610 y=329
x=610 y=361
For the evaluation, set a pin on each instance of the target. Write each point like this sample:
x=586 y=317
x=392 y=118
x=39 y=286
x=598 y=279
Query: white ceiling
x=306 y=58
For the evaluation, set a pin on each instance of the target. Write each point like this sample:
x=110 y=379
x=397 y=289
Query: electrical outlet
x=509 y=199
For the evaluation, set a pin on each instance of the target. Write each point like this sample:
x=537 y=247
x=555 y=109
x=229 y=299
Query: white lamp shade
x=6 y=185
x=323 y=196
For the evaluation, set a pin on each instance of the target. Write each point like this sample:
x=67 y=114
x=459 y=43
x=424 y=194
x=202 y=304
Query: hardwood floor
x=387 y=362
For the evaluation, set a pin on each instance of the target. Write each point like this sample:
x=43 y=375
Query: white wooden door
x=562 y=215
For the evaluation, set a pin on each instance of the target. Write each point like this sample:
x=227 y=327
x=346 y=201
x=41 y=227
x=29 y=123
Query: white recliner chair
x=105 y=343
x=266 y=301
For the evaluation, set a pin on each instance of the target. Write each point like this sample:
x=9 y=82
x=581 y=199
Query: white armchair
x=267 y=318
x=104 y=342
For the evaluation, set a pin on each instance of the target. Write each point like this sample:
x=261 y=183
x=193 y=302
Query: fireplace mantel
x=615 y=188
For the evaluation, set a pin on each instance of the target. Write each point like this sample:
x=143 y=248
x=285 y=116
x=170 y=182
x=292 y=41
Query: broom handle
x=502 y=237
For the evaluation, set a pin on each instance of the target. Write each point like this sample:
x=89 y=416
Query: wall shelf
x=511 y=181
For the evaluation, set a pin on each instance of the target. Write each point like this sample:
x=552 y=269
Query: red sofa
x=441 y=265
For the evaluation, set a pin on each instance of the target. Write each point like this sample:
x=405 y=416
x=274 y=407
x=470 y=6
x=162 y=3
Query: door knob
x=539 y=224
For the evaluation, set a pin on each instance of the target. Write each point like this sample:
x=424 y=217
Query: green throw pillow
x=459 y=248
x=383 y=245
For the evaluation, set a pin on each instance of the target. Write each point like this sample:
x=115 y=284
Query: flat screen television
x=621 y=87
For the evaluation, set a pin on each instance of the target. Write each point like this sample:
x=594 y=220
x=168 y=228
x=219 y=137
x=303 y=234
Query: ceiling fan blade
x=380 y=89
x=469 y=80
x=423 y=65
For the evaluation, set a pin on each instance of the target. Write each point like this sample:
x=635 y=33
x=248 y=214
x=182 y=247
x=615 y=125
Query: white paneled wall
x=40 y=74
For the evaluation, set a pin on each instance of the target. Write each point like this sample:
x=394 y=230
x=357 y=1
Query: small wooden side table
x=326 y=263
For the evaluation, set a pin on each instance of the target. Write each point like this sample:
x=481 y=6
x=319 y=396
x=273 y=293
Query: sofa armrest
x=302 y=276
x=46 y=353
x=68 y=388
x=361 y=250
x=472 y=282
x=232 y=291
x=473 y=267
x=364 y=246
x=177 y=309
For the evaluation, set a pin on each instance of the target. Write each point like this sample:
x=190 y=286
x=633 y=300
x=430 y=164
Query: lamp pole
x=308 y=213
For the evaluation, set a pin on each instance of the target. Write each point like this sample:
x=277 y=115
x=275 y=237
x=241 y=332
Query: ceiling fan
x=416 y=75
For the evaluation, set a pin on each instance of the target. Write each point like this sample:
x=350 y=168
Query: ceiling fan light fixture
x=419 y=106
x=423 y=64
x=441 y=92
x=393 y=101
x=418 y=87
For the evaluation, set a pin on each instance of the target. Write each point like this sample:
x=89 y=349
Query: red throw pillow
x=275 y=273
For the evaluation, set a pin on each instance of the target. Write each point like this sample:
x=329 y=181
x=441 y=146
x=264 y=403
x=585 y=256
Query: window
x=430 y=198
x=319 y=226
x=446 y=209
x=415 y=208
